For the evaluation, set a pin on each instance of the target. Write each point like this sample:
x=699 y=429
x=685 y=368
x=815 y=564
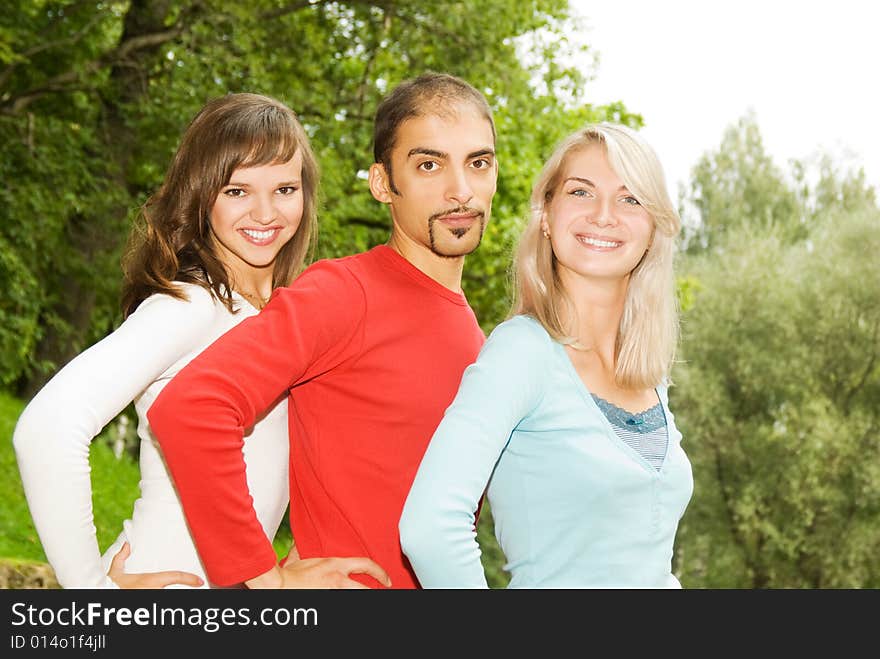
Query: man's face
x=443 y=176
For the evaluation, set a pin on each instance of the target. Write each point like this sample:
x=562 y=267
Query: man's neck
x=446 y=271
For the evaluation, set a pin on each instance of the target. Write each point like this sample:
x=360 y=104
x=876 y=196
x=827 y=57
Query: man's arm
x=200 y=417
x=320 y=573
x=438 y=523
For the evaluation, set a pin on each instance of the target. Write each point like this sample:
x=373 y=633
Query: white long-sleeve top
x=134 y=363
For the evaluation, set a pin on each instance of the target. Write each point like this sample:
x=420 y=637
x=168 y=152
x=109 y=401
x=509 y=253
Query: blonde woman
x=564 y=415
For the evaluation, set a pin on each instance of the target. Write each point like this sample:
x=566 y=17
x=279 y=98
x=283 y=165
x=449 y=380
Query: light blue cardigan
x=574 y=506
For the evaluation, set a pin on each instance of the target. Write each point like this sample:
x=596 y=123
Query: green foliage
x=778 y=388
x=94 y=96
x=686 y=289
x=836 y=190
x=18 y=315
x=738 y=188
x=55 y=229
x=777 y=400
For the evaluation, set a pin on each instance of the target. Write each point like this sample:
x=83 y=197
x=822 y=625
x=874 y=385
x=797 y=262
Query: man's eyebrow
x=421 y=151
x=482 y=152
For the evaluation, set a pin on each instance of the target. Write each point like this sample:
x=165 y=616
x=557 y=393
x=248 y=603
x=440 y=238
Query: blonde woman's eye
x=578 y=192
x=632 y=201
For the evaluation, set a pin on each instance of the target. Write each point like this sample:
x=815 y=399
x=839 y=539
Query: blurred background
x=777 y=386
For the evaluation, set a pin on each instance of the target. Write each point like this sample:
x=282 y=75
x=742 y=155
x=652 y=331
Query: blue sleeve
x=437 y=530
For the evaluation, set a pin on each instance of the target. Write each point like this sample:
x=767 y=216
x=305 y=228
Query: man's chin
x=455 y=243
x=458 y=248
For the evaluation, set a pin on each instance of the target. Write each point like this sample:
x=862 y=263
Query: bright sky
x=808 y=69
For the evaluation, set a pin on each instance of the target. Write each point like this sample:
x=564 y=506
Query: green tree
x=778 y=388
x=738 y=188
x=93 y=97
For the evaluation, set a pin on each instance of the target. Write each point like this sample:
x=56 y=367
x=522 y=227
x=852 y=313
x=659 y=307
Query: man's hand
x=147 y=579
x=331 y=573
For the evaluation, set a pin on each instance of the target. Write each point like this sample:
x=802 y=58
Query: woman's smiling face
x=597 y=228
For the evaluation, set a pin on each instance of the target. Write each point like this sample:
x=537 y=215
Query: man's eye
x=481 y=163
x=428 y=166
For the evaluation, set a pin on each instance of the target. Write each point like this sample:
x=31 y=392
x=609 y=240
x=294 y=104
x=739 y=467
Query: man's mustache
x=458 y=210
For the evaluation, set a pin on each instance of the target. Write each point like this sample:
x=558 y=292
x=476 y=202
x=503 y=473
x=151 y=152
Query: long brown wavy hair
x=172 y=240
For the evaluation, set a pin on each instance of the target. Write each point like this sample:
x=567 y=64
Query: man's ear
x=380 y=185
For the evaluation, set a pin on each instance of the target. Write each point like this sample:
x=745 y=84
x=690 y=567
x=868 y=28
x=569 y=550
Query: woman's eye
x=632 y=201
x=578 y=192
x=233 y=192
x=288 y=189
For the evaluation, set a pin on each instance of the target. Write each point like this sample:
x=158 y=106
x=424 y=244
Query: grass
x=18 y=537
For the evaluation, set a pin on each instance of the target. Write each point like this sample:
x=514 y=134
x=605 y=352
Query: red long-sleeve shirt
x=370 y=351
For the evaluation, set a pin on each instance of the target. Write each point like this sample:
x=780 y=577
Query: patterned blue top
x=574 y=506
x=645 y=432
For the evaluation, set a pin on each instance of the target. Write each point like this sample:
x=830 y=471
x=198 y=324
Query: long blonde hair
x=648 y=332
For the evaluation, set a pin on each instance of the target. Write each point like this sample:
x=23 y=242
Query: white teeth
x=597 y=242
x=259 y=235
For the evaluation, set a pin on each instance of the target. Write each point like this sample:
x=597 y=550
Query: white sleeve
x=53 y=434
x=501 y=388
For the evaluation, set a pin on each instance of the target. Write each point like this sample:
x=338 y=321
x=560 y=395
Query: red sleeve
x=200 y=416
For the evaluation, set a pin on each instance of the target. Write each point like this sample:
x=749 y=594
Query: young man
x=370 y=350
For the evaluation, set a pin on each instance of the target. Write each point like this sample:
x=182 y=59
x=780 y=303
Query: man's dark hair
x=430 y=93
